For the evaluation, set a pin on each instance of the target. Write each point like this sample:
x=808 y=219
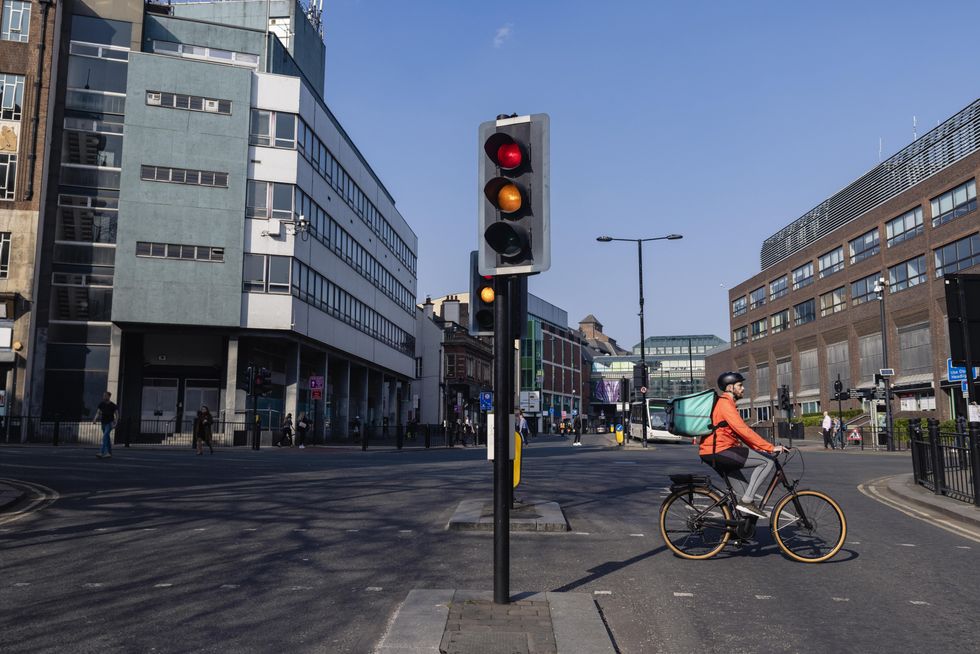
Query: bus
x=656 y=421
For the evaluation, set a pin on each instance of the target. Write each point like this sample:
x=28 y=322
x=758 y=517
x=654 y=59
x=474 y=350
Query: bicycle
x=697 y=520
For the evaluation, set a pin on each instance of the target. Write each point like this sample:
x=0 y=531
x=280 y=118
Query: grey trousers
x=759 y=467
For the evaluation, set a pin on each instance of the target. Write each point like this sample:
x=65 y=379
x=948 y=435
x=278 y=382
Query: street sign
x=316 y=382
x=964 y=388
x=316 y=393
x=958 y=373
x=551 y=410
x=486 y=401
x=643 y=390
x=619 y=427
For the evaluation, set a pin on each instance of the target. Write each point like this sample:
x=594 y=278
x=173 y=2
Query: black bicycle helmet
x=727 y=378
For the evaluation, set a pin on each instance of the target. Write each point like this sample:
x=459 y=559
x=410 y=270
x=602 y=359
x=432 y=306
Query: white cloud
x=503 y=34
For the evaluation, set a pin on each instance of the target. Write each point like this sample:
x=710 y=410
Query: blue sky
x=722 y=121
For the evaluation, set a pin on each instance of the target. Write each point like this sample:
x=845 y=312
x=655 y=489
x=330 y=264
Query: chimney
x=450 y=309
x=428 y=308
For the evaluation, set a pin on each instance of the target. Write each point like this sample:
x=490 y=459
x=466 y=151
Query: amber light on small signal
x=487 y=295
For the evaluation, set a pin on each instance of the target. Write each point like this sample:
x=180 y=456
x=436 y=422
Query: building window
x=958 y=255
x=863 y=290
x=188 y=102
x=762 y=380
x=11 y=96
x=8 y=175
x=803 y=276
x=182 y=252
x=183 y=176
x=906 y=226
x=869 y=356
x=200 y=52
x=4 y=256
x=779 y=321
x=809 y=408
x=907 y=274
x=763 y=413
x=915 y=349
x=266 y=273
x=809 y=370
x=838 y=364
x=272 y=129
x=15 y=25
x=778 y=288
x=955 y=203
x=831 y=262
x=740 y=336
x=759 y=329
x=834 y=301
x=757 y=297
x=804 y=312
x=784 y=372
x=739 y=307
x=864 y=246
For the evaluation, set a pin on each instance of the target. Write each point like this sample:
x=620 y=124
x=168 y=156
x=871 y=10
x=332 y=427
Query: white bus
x=656 y=421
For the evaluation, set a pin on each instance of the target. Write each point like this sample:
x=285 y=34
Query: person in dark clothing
x=302 y=425
x=106 y=414
x=286 y=433
x=202 y=430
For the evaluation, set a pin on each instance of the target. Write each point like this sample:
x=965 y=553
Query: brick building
x=812 y=314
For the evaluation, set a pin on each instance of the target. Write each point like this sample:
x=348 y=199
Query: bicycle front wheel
x=808 y=526
x=694 y=523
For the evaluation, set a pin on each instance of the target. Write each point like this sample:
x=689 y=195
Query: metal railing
x=947 y=463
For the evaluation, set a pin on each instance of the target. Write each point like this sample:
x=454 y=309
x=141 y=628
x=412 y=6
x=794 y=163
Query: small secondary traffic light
x=246 y=380
x=784 y=400
x=263 y=381
x=482 y=295
x=514 y=173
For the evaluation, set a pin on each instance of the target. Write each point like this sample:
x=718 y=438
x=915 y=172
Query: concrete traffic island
x=526 y=515
x=444 y=621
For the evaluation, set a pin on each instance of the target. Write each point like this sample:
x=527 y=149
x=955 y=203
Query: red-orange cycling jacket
x=736 y=433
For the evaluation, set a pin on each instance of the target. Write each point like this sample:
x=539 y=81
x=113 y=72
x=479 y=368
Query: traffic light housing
x=263 y=381
x=639 y=375
x=784 y=400
x=483 y=292
x=245 y=380
x=514 y=176
x=838 y=386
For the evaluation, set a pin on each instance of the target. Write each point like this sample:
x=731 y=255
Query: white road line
x=21 y=584
x=149 y=528
x=250 y=529
x=228 y=586
x=853 y=542
x=637 y=535
x=301 y=588
x=919 y=603
x=906 y=545
x=963 y=547
x=201 y=529
x=92 y=585
x=352 y=530
x=299 y=529
x=763 y=597
x=162 y=585
x=581 y=533
x=872 y=492
x=841 y=599
x=602 y=592
x=41 y=496
x=373 y=589
x=683 y=594
x=404 y=531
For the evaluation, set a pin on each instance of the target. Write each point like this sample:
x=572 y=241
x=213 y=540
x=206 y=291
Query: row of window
x=179 y=251
x=188 y=51
x=183 y=176
x=15 y=21
x=188 y=102
x=285 y=201
x=316 y=290
x=286 y=130
x=950 y=258
x=951 y=204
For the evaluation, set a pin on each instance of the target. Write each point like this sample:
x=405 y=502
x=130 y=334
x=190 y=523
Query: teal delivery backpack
x=690 y=415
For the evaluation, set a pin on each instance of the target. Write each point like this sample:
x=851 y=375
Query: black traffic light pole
x=839 y=387
x=503 y=472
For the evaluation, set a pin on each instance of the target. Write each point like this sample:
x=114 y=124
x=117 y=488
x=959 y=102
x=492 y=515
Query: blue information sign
x=486 y=401
x=958 y=373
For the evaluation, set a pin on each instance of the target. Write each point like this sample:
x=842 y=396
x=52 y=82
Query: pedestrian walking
x=838 y=437
x=302 y=425
x=579 y=428
x=202 y=430
x=522 y=427
x=107 y=414
x=356 y=428
x=827 y=426
x=286 y=431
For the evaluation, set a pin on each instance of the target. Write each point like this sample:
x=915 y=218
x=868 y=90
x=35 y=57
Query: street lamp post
x=643 y=360
x=880 y=286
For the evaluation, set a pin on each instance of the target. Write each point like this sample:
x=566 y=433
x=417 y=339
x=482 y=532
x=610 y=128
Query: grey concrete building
x=208 y=213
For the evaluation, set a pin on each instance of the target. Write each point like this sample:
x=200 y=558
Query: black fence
x=226 y=433
x=947 y=463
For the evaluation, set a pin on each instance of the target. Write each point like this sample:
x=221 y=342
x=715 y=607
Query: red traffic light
x=504 y=151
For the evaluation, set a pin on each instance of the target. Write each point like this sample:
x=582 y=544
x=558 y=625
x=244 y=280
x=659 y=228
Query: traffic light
x=514 y=171
x=482 y=295
x=263 y=381
x=639 y=375
x=784 y=402
x=245 y=381
x=838 y=386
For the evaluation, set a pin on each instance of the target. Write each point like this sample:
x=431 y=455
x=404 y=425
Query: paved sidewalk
x=468 y=622
x=904 y=489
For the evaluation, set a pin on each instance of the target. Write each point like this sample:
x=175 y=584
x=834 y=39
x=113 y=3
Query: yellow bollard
x=518 y=445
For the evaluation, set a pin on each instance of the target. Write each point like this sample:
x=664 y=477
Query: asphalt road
x=314 y=550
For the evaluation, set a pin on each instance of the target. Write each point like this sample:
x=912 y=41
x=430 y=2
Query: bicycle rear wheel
x=694 y=523
x=808 y=526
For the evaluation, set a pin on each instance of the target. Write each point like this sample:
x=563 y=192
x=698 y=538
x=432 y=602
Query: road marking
x=906 y=545
x=404 y=531
x=300 y=529
x=602 y=592
x=301 y=588
x=250 y=529
x=200 y=529
x=853 y=542
x=92 y=585
x=624 y=463
x=637 y=535
x=373 y=589
x=963 y=547
x=228 y=586
x=21 y=584
x=683 y=594
x=763 y=597
x=919 y=603
x=581 y=533
x=871 y=491
x=352 y=530
x=41 y=496
x=841 y=599
x=162 y=585
x=149 y=528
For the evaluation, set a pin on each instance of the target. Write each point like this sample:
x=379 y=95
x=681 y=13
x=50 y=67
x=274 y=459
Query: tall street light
x=880 y=288
x=643 y=359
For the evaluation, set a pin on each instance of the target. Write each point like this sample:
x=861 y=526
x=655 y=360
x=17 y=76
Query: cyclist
x=734 y=446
